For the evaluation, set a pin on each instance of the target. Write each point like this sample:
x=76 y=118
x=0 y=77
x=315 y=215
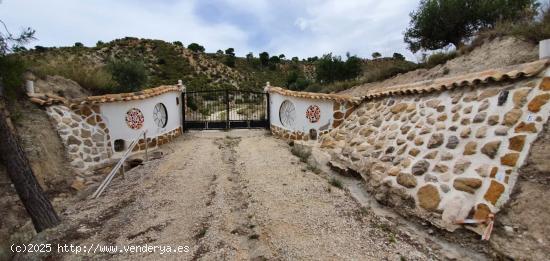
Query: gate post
x=227 y=109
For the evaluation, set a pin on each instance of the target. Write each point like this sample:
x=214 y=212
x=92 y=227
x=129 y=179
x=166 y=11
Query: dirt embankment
x=497 y=53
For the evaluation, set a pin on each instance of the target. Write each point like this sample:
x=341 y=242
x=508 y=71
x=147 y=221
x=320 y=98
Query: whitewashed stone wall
x=444 y=156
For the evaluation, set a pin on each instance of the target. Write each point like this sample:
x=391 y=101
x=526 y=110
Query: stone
x=414 y=152
x=433 y=103
x=394 y=171
x=445 y=188
x=502 y=97
x=452 y=142
x=467 y=110
x=545 y=84
x=493 y=120
x=480 y=117
x=72 y=140
x=481 y=132
x=510 y=159
x=441 y=168
x=338 y=115
x=398 y=108
x=469 y=185
x=456 y=108
x=470 y=148
x=425 y=130
x=406 y=180
x=483 y=106
x=512 y=117
x=430 y=178
x=446 y=156
x=517 y=142
x=520 y=97
x=453 y=128
x=483 y=170
x=536 y=103
x=411 y=107
x=461 y=166
x=487 y=93
x=405 y=129
x=440 y=126
x=456 y=117
x=430 y=120
x=436 y=140
x=420 y=167
x=418 y=141
x=491 y=148
x=440 y=108
x=431 y=155
x=494 y=192
x=526 y=127
x=482 y=212
x=465 y=121
x=442 y=117
x=400 y=141
x=428 y=197
x=402 y=149
x=97 y=137
x=501 y=131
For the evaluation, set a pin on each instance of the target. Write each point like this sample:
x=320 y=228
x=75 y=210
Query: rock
x=400 y=141
x=445 y=156
x=430 y=178
x=440 y=126
x=501 y=131
x=510 y=159
x=480 y=117
x=414 y=152
x=502 y=97
x=470 y=148
x=493 y=120
x=481 y=132
x=445 y=188
x=425 y=130
x=428 y=197
x=512 y=117
x=420 y=167
x=491 y=148
x=545 y=84
x=436 y=140
x=431 y=155
x=418 y=141
x=452 y=142
x=469 y=185
x=484 y=106
x=433 y=103
x=526 y=127
x=440 y=168
x=456 y=117
x=456 y=108
x=394 y=171
x=482 y=211
x=494 y=192
x=516 y=143
x=461 y=166
x=363 y=120
x=72 y=140
x=406 y=180
x=536 y=103
x=488 y=93
x=467 y=110
x=520 y=96
x=398 y=108
x=78 y=184
x=442 y=117
x=483 y=170
x=405 y=129
x=465 y=121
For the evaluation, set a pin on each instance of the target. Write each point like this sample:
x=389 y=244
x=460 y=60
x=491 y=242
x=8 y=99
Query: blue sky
x=294 y=28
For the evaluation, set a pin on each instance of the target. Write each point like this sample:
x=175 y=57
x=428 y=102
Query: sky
x=302 y=28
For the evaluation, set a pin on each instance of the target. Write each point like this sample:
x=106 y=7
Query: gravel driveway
x=238 y=195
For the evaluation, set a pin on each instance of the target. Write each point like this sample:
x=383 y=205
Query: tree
x=332 y=68
x=398 y=56
x=282 y=56
x=439 y=23
x=219 y=52
x=376 y=55
x=130 y=76
x=295 y=59
x=99 y=44
x=264 y=58
x=230 y=51
x=195 y=47
x=78 y=44
x=178 y=43
x=13 y=157
x=249 y=56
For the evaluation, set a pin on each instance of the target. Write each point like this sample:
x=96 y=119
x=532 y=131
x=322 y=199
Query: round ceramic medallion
x=160 y=115
x=134 y=119
x=313 y=113
x=287 y=114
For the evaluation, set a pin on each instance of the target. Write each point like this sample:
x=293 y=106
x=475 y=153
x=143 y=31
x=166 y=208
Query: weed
x=336 y=182
x=392 y=239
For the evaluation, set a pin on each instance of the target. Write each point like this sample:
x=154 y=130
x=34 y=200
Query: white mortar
x=544 y=49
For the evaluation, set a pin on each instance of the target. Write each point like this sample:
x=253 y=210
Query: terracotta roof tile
x=313 y=95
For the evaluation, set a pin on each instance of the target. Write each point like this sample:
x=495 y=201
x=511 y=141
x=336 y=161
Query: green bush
x=11 y=70
x=439 y=58
x=130 y=76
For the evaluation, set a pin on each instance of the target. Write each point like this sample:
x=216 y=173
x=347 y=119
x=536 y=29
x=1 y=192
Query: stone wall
x=84 y=134
x=443 y=156
x=159 y=140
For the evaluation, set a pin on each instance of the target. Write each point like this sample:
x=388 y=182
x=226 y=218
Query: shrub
x=11 y=70
x=130 y=76
x=439 y=58
x=78 y=44
x=336 y=182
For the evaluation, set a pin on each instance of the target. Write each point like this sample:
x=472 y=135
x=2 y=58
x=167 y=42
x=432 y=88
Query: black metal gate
x=225 y=109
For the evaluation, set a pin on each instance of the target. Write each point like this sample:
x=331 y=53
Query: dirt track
x=236 y=196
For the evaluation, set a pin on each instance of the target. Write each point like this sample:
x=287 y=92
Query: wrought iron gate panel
x=225 y=109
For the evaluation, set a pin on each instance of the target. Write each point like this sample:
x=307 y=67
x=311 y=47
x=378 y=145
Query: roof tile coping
x=512 y=72
x=51 y=99
x=314 y=95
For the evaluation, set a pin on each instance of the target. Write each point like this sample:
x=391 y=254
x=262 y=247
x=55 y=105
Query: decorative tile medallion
x=134 y=119
x=313 y=113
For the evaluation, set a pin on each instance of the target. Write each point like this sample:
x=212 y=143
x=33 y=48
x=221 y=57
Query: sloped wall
x=444 y=156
